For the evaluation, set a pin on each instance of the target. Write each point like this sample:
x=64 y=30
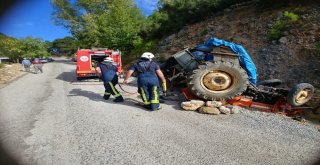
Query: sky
x=33 y=18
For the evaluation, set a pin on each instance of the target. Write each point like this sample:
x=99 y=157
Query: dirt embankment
x=294 y=58
x=10 y=72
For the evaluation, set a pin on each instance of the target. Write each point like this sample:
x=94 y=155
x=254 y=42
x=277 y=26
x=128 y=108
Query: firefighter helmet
x=147 y=55
x=108 y=59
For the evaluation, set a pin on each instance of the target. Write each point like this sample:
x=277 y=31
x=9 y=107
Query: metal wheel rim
x=216 y=81
x=303 y=96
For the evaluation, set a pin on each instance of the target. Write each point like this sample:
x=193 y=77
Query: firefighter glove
x=164 y=86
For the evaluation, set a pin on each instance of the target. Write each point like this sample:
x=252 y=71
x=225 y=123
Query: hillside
x=293 y=58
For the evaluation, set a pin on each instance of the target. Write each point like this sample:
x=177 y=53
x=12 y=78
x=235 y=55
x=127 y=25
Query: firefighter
x=108 y=73
x=148 y=83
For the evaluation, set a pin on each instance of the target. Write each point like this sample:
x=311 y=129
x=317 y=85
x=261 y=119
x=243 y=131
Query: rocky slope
x=294 y=58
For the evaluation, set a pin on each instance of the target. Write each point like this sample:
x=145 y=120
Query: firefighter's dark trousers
x=149 y=90
x=111 y=90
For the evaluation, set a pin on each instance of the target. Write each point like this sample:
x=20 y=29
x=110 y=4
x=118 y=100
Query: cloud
x=29 y=23
x=23 y=24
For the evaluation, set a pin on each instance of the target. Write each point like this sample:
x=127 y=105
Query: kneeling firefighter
x=108 y=73
x=148 y=82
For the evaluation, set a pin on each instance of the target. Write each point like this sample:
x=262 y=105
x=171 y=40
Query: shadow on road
x=67 y=76
x=97 y=97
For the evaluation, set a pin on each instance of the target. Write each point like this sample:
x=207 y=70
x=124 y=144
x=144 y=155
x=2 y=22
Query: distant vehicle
x=43 y=60
x=46 y=60
x=50 y=59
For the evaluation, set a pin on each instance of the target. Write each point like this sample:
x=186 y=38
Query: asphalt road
x=50 y=119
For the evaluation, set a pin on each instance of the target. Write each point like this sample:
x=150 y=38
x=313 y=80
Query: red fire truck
x=88 y=58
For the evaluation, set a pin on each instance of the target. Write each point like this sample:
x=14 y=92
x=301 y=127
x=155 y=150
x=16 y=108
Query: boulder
x=235 y=109
x=209 y=110
x=192 y=105
x=216 y=104
x=224 y=110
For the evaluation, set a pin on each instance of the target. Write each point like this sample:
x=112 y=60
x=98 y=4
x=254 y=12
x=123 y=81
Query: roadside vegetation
x=29 y=47
x=281 y=25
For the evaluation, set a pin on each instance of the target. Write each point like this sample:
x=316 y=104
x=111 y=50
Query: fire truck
x=88 y=58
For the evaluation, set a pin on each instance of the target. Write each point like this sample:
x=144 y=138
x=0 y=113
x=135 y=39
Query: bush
x=140 y=47
x=277 y=30
x=204 y=32
x=292 y=16
x=280 y=26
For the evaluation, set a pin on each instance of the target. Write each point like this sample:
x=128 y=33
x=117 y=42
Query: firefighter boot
x=118 y=99
x=106 y=97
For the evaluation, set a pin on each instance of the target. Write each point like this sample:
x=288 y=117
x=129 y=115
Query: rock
x=235 y=109
x=181 y=32
x=192 y=105
x=209 y=110
x=227 y=10
x=283 y=40
x=224 y=110
x=216 y=104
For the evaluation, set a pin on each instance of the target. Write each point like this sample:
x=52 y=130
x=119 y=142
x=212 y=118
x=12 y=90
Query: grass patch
x=1 y=65
x=277 y=30
x=280 y=25
x=292 y=16
x=204 y=32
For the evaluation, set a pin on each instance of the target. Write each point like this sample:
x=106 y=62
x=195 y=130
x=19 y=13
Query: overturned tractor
x=220 y=70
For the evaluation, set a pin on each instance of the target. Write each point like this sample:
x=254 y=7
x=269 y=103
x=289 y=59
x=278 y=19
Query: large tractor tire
x=218 y=81
x=300 y=94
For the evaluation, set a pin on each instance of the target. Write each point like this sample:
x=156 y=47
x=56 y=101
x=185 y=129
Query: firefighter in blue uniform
x=148 y=82
x=108 y=73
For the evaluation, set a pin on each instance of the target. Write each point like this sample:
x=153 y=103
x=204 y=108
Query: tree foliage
x=172 y=15
x=26 y=47
x=100 y=23
x=33 y=47
x=9 y=47
x=65 y=46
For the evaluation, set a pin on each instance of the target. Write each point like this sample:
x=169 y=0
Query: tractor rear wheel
x=218 y=81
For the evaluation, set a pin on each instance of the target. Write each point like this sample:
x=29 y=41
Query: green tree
x=33 y=47
x=27 y=47
x=172 y=15
x=100 y=23
x=9 y=47
x=65 y=46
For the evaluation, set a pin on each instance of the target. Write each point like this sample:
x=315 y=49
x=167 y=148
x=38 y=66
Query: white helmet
x=108 y=59
x=147 y=55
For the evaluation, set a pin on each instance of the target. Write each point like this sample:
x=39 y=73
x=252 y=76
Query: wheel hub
x=217 y=81
x=303 y=96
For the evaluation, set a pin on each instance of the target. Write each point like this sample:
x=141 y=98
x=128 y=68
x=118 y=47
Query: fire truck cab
x=88 y=58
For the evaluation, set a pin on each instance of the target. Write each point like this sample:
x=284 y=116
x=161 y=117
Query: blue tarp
x=244 y=57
